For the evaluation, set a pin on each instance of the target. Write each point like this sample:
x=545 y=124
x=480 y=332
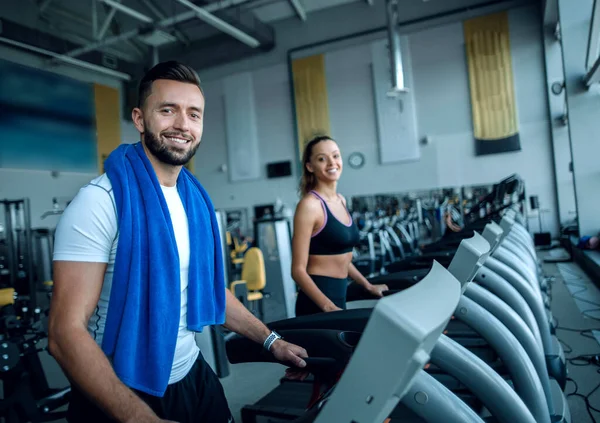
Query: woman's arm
x=305 y=220
x=357 y=277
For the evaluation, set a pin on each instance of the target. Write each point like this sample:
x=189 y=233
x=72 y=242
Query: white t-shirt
x=88 y=231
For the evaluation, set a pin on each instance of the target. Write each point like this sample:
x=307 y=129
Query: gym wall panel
x=310 y=99
x=241 y=128
x=495 y=124
x=396 y=116
x=108 y=122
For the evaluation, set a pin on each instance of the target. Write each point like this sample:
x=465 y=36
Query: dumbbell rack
x=17 y=229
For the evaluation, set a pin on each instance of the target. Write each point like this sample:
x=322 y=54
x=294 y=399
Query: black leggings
x=198 y=397
x=333 y=288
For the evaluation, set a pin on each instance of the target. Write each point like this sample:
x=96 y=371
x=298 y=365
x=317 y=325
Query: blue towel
x=145 y=300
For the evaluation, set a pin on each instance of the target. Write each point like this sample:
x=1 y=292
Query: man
x=136 y=272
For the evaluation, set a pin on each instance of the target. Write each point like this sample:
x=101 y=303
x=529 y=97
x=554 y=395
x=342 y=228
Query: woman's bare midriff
x=335 y=266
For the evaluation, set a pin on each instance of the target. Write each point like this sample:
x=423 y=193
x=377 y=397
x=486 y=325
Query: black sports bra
x=334 y=237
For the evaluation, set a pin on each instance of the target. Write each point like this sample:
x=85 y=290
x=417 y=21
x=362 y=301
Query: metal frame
x=80 y=39
x=94 y=19
x=128 y=11
x=106 y=24
x=594 y=37
x=209 y=18
x=66 y=59
x=299 y=9
x=593 y=56
x=164 y=23
x=593 y=76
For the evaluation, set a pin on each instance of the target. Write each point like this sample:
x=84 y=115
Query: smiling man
x=138 y=270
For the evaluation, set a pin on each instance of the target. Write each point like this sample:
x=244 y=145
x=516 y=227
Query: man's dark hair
x=171 y=70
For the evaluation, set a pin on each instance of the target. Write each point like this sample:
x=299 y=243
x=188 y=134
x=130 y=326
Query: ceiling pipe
x=128 y=11
x=397 y=72
x=70 y=60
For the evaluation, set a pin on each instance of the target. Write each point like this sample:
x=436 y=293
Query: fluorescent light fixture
x=221 y=24
x=157 y=38
x=128 y=11
x=66 y=59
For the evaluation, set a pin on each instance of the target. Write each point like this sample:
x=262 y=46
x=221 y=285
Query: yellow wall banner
x=310 y=99
x=493 y=104
x=108 y=122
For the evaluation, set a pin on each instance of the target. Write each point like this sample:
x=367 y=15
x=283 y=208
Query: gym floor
x=575 y=304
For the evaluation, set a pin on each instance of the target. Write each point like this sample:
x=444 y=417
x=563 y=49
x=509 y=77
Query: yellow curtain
x=310 y=97
x=491 y=80
x=108 y=122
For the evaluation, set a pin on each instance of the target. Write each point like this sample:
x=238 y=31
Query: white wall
x=275 y=133
x=40 y=187
x=443 y=112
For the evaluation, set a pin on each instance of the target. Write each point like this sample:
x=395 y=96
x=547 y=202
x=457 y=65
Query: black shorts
x=333 y=288
x=198 y=397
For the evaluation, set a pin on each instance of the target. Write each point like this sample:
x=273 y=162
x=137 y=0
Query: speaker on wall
x=279 y=169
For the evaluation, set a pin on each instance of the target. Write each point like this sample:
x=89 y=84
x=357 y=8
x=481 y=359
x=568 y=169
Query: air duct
x=397 y=73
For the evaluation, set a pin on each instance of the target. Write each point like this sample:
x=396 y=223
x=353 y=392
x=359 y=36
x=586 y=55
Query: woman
x=324 y=234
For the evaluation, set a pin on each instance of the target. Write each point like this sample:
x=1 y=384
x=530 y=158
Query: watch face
x=356 y=160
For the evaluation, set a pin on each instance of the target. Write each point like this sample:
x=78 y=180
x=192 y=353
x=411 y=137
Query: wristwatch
x=274 y=336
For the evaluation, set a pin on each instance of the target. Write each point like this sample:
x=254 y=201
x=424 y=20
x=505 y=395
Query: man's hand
x=377 y=290
x=286 y=352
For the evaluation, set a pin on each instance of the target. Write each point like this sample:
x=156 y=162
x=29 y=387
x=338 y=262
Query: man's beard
x=163 y=153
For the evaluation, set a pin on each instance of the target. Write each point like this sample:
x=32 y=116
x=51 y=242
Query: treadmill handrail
x=495 y=393
x=523 y=374
x=530 y=295
x=497 y=285
x=442 y=404
x=517 y=326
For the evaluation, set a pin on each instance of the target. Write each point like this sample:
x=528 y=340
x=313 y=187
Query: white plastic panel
x=469 y=258
x=506 y=224
x=400 y=335
x=493 y=233
x=396 y=116
x=241 y=128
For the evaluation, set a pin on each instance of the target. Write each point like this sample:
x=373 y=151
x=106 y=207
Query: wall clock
x=356 y=160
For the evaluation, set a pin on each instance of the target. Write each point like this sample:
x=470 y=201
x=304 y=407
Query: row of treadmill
x=465 y=334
